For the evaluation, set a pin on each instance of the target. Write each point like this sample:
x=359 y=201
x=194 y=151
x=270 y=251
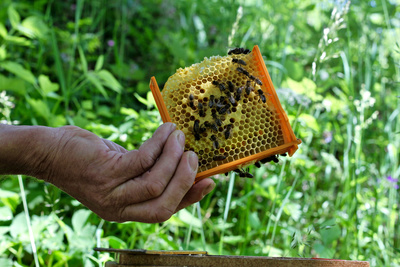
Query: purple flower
x=110 y=43
x=327 y=137
x=393 y=181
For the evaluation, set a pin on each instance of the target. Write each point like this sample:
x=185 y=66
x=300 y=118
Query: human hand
x=145 y=185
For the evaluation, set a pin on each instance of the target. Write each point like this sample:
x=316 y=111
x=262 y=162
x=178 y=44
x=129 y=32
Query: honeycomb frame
x=258 y=126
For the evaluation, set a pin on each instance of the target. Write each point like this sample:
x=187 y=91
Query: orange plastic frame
x=290 y=141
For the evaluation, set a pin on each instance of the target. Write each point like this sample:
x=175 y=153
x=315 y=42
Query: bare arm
x=147 y=185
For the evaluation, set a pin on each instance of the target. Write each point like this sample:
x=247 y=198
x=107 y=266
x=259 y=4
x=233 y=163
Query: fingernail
x=193 y=161
x=181 y=138
x=208 y=189
x=172 y=125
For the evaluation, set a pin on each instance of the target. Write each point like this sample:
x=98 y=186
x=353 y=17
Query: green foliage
x=335 y=65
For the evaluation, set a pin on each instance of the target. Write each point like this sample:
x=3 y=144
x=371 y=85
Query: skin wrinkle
x=145 y=162
x=118 y=161
x=153 y=155
x=163 y=213
x=157 y=190
x=154 y=189
x=150 y=157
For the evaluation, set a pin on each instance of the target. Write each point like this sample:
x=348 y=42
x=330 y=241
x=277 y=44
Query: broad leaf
x=3 y=30
x=5 y=213
x=40 y=108
x=18 y=71
x=46 y=85
x=34 y=27
x=12 y=84
x=19 y=227
x=109 y=81
x=13 y=17
x=79 y=219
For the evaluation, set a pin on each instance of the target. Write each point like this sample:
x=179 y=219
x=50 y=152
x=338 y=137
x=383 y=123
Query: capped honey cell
x=229 y=111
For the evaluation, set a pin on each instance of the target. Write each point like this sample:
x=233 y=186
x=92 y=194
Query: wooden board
x=126 y=258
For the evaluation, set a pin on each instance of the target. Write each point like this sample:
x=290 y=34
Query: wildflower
x=327 y=137
x=393 y=181
x=110 y=43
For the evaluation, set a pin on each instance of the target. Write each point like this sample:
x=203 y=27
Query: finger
x=153 y=183
x=139 y=161
x=196 y=193
x=161 y=173
x=162 y=208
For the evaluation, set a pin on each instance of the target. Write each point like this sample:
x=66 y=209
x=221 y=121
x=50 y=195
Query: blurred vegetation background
x=335 y=65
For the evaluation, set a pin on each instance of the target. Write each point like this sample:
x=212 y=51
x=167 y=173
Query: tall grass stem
x=226 y=211
x=28 y=221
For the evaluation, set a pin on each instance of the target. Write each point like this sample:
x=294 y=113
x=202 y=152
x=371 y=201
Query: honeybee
x=249 y=88
x=202 y=113
x=273 y=158
x=197 y=130
x=218 y=122
x=196 y=126
x=262 y=96
x=231 y=99
x=239 y=93
x=211 y=125
x=212 y=101
x=239 y=61
x=243 y=174
x=248 y=175
x=231 y=87
x=224 y=109
x=202 y=129
x=191 y=103
x=238 y=171
x=257 y=81
x=216 y=119
x=215 y=141
x=243 y=71
x=219 y=157
x=228 y=130
x=238 y=50
x=220 y=85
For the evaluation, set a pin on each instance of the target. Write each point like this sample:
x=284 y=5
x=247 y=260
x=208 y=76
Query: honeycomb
x=225 y=110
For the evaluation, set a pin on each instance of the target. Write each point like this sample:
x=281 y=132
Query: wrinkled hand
x=146 y=185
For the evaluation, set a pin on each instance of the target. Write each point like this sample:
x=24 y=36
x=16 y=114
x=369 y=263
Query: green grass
x=335 y=66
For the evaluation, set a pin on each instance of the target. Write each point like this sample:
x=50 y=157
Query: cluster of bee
x=226 y=103
x=245 y=173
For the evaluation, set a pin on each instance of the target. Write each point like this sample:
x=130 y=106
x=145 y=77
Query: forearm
x=25 y=149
